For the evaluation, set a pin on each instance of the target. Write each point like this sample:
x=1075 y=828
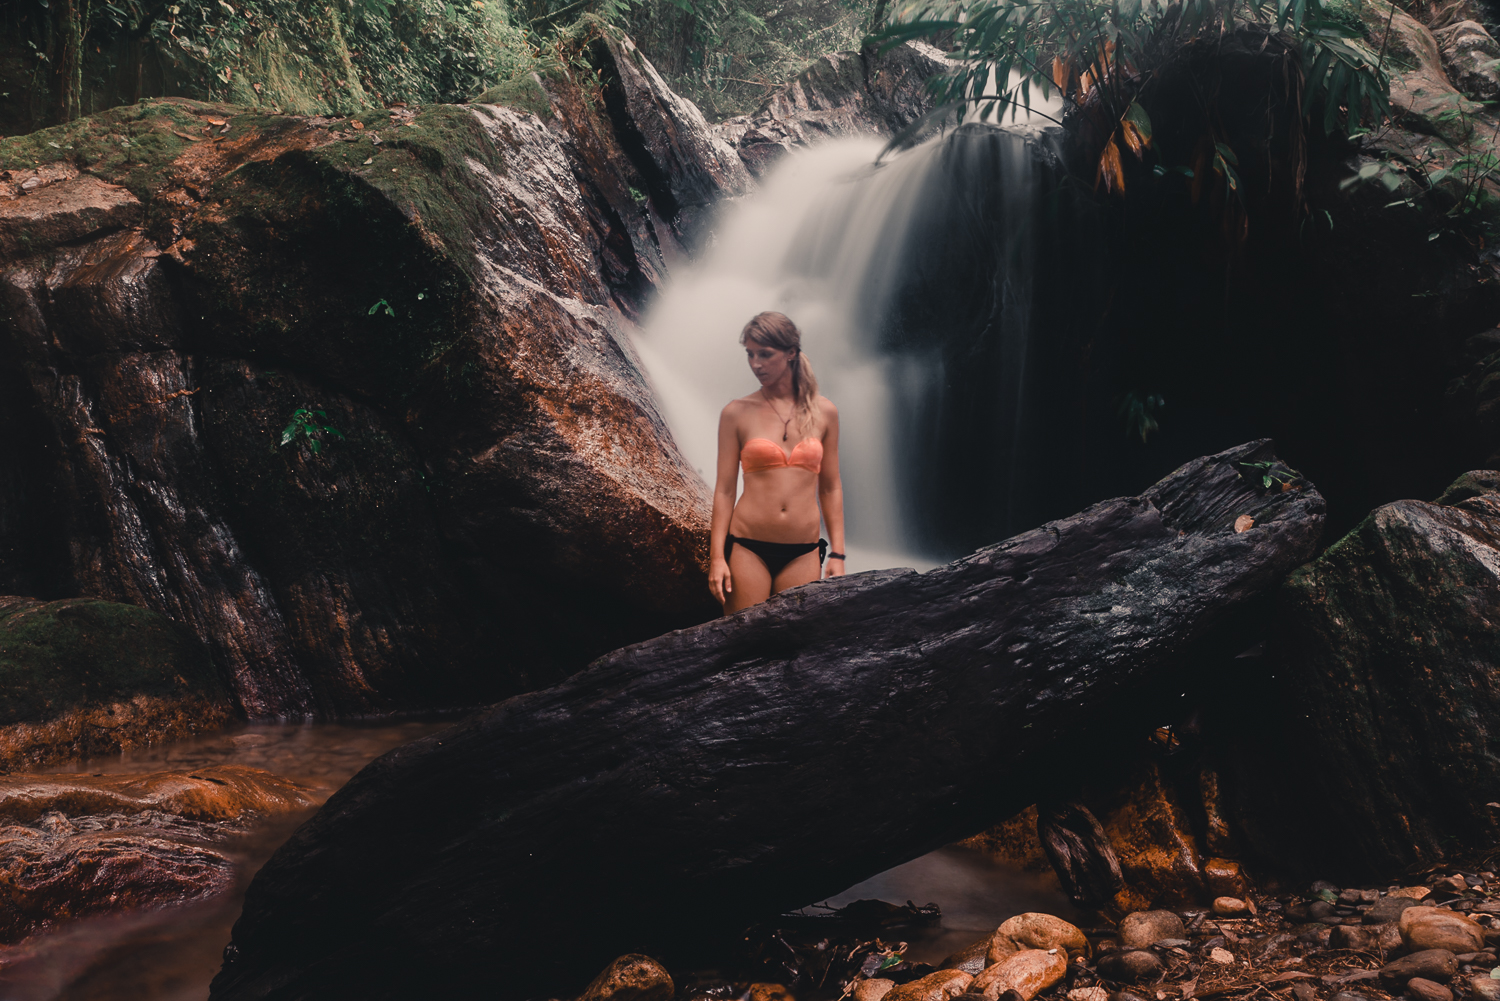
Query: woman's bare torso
x=778 y=504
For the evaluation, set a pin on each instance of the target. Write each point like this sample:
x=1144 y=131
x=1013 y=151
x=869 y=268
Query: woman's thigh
x=803 y=570
x=749 y=578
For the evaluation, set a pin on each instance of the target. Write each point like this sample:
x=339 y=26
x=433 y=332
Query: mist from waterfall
x=835 y=241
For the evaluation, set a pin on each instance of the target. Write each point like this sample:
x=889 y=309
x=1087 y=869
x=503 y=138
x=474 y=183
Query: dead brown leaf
x=1111 y=171
x=1244 y=523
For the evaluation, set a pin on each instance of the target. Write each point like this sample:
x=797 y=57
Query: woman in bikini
x=786 y=437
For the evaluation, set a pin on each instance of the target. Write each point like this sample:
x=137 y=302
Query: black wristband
x=835 y=556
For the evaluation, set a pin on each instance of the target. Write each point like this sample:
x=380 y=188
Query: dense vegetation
x=63 y=58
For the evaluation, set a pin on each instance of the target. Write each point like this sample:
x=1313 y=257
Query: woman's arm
x=831 y=489
x=726 y=478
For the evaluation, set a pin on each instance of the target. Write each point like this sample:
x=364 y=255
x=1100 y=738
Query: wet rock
x=1223 y=878
x=1366 y=938
x=1088 y=994
x=62 y=873
x=1460 y=488
x=1484 y=986
x=939 y=986
x=67 y=210
x=841 y=94
x=469 y=512
x=1388 y=909
x=1130 y=966
x=970 y=959
x=82 y=678
x=691 y=167
x=216 y=793
x=1144 y=928
x=1032 y=930
x=1230 y=907
x=1430 y=964
x=776 y=992
x=1421 y=92
x=1425 y=928
x=1028 y=973
x=1469 y=54
x=632 y=978
x=873 y=989
x=638 y=723
x=1358 y=631
x=1419 y=989
x=1150 y=828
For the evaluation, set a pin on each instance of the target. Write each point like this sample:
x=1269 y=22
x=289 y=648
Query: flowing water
x=171 y=953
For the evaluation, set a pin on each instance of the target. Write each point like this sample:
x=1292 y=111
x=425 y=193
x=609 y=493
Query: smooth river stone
x=1436 y=928
x=1145 y=928
x=1028 y=973
x=939 y=986
x=1034 y=930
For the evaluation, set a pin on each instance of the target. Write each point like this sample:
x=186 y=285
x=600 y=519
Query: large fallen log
x=688 y=785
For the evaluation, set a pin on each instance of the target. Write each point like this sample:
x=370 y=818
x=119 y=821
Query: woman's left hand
x=835 y=568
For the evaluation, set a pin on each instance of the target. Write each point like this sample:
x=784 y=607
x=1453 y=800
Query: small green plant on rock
x=306 y=427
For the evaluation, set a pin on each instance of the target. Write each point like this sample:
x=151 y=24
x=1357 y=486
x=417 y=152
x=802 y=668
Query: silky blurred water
x=975 y=892
x=171 y=953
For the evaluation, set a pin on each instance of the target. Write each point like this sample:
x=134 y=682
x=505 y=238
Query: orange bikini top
x=760 y=454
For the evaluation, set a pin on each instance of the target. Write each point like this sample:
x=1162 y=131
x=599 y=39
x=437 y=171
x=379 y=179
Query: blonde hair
x=776 y=330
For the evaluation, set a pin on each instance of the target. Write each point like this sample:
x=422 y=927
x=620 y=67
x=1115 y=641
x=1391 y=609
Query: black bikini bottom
x=776 y=555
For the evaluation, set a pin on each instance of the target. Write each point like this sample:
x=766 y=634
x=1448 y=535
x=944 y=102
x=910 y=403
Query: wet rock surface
x=82 y=677
x=842 y=94
x=685 y=741
x=449 y=289
x=1389 y=634
x=73 y=846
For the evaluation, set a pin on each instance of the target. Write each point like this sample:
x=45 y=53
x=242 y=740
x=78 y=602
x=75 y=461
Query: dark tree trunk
x=686 y=786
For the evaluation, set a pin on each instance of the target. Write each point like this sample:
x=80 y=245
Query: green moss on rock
x=83 y=677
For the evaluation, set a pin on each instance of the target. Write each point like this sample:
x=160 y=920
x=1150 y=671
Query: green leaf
x=1136 y=115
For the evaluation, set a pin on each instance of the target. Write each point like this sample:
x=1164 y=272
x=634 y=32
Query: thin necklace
x=784 y=423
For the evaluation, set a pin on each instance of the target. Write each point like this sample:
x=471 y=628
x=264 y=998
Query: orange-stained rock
x=1424 y=928
x=1014 y=841
x=939 y=986
x=1034 y=930
x=770 y=992
x=1027 y=973
x=1141 y=929
x=1222 y=878
x=217 y=793
x=59 y=874
x=1152 y=835
x=873 y=989
x=630 y=978
x=64 y=211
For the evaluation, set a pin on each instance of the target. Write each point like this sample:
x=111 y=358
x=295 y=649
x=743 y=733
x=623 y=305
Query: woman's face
x=769 y=364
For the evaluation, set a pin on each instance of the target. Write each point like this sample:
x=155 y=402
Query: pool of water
x=975 y=893
x=171 y=953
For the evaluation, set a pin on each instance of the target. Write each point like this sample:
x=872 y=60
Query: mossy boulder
x=1385 y=669
x=81 y=677
x=479 y=495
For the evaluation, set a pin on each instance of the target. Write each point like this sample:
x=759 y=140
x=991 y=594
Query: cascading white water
x=817 y=242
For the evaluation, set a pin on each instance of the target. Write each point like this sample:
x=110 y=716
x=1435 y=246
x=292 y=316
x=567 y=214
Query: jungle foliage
x=65 y=58
x=75 y=57
x=1100 y=55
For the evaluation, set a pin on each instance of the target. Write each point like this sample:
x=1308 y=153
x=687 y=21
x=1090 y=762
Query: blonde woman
x=786 y=438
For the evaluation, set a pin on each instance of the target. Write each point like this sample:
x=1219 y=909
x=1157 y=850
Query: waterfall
x=858 y=254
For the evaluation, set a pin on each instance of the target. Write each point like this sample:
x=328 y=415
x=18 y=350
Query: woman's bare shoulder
x=739 y=406
x=827 y=409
